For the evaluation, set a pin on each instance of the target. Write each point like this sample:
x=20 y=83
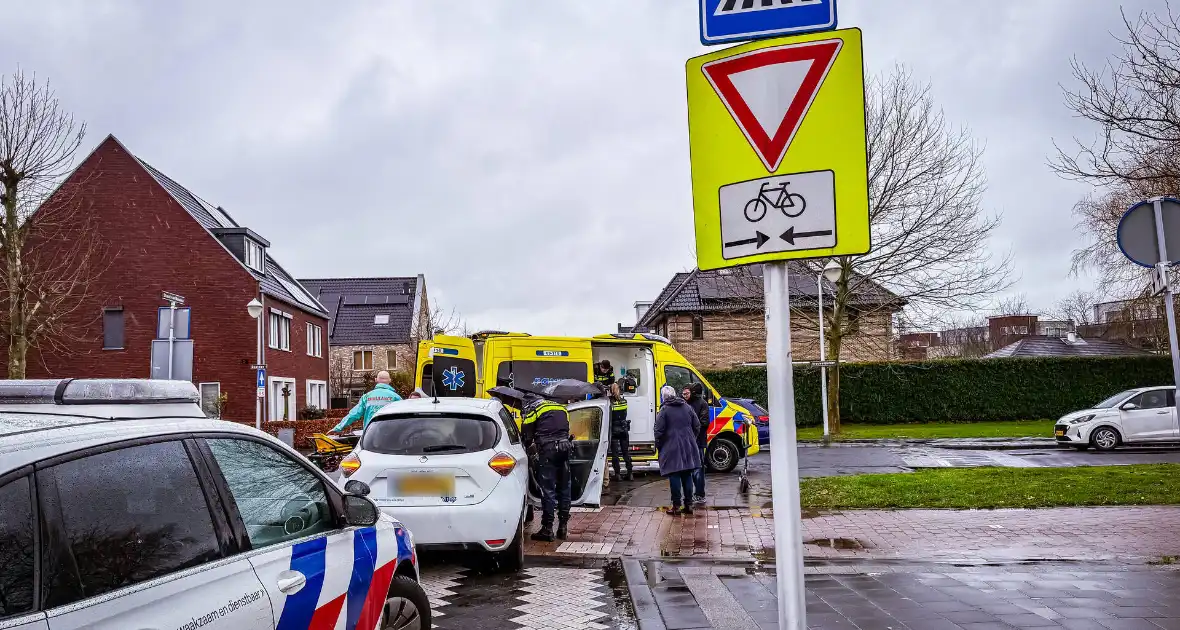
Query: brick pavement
x=1123 y=533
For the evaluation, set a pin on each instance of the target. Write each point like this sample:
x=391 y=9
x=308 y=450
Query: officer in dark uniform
x=545 y=432
x=604 y=375
x=620 y=431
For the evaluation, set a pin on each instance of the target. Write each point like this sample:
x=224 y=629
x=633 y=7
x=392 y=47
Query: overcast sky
x=530 y=158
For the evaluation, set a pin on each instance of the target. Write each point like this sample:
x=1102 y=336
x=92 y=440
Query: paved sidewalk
x=672 y=596
x=1130 y=534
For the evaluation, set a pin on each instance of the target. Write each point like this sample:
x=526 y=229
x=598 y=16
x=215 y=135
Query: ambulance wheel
x=406 y=606
x=511 y=560
x=722 y=455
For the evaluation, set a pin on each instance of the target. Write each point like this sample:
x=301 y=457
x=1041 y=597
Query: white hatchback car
x=452 y=469
x=1143 y=415
x=122 y=506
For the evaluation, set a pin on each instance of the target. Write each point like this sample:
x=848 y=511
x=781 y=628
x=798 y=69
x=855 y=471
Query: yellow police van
x=471 y=366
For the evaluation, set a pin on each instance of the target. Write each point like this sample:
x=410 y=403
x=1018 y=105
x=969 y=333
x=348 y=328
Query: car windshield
x=430 y=434
x=1114 y=400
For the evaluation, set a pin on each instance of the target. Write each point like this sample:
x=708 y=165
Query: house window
x=362 y=360
x=112 y=328
x=317 y=394
x=314 y=342
x=283 y=400
x=280 y=330
x=698 y=328
x=380 y=320
x=254 y=258
x=210 y=395
x=390 y=359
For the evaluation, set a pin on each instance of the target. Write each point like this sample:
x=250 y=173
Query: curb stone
x=647 y=613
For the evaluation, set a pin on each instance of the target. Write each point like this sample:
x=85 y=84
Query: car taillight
x=503 y=463
x=350 y=464
x=764 y=419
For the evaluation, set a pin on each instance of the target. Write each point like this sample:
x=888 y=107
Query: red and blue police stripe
x=334 y=598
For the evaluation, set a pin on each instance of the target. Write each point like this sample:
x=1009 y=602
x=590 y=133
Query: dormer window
x=254 y=258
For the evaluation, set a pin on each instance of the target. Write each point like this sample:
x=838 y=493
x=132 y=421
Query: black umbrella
x=510 y=397
x=566 y=390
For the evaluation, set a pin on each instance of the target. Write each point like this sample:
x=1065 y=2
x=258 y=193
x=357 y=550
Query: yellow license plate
x=1059 y=433
x=424 y=485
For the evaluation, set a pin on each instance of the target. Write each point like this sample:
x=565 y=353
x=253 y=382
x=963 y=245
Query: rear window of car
x=430 y=434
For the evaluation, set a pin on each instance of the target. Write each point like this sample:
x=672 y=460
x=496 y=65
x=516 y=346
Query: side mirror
x=357 y=488
x=1129 y=406
x=360 y=511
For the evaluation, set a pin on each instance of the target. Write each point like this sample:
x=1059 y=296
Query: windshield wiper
x=444 y=447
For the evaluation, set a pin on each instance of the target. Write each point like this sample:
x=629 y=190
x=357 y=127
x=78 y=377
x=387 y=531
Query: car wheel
x=722 y=455
x=406 y=606
x=511 y=560
x=1104 y=439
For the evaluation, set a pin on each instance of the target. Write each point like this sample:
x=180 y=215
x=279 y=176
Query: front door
x=1150 y=416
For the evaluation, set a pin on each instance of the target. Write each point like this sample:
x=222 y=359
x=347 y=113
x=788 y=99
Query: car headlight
x=1082 y=419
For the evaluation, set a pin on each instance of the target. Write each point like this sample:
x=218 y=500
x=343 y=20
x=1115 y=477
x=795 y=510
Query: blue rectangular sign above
x=724 y=21
x=261 y=377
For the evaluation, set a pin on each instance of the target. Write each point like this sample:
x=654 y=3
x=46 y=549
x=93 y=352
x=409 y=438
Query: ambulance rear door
x=448 y=367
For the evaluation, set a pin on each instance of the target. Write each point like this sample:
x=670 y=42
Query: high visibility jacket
x=368 y=406
x=606 y=380
x=618 y=405
x=543 y=422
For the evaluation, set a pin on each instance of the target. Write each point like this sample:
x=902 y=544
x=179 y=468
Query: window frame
x=362 y=353
x=308 y=385
x=315 y=346
x=698 y=328
x=200 y=387
x=279 y=337
x=122 y=327
x=390 y=359
x=257 y=261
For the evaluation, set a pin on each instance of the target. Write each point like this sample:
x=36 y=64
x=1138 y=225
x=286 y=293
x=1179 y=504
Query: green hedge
x=959 y=390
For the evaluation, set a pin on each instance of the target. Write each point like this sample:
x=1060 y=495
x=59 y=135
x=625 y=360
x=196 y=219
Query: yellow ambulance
x=471 y=366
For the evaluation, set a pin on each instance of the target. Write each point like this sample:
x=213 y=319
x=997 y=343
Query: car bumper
x=1066 y=434
x=460 y=526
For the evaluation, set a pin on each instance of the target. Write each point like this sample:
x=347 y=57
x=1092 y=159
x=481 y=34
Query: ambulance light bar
x=97 y=391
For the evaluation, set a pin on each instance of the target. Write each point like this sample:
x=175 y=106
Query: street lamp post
x=254 y=308
x=832 y=273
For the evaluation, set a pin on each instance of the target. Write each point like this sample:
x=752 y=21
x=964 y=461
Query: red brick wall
x=157 y=246
x=296 y=363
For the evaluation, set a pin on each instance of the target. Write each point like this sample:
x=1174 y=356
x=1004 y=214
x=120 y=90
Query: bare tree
x=1078 y=307
x=1134 y=103
x=929 y=229
x=1013 y=305
x=50 y=256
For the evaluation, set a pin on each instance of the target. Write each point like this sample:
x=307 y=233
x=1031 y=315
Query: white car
x=1143 y=415
x=455 y=472
x=124 y=507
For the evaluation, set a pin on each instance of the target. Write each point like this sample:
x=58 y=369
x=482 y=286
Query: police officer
x=545 y=432
x=604 y=374
x=620 y=429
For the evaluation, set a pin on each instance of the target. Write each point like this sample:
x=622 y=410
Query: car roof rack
x=97 y=391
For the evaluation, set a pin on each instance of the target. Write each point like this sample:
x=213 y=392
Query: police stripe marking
x=364 y=562
x=734 y=7
x=375 y=601
x=298 y=609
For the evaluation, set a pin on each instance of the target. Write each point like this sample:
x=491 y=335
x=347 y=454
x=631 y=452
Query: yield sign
x=769 y=91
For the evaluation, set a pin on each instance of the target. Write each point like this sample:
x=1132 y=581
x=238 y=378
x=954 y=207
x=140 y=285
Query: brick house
x=163 y=238
x=375 y=324
x=715 y=318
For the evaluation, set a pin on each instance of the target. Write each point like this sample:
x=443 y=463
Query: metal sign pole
x=784 y=464
x=171 y=334
x=261 y=359
x=1168 y=303
x=823 y=357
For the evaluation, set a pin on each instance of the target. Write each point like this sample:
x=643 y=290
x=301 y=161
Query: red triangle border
x=771 y=150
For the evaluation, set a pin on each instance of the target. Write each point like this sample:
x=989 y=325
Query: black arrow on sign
x=790 y=235
x=759 y=238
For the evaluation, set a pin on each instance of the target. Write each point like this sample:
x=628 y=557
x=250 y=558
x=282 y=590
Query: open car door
x=590 y=426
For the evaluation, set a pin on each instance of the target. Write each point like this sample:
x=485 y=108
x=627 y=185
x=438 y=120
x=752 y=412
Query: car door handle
x=290 y=582
x=1160 y=413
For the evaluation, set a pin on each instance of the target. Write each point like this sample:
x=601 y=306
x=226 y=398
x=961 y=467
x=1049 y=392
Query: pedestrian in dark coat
x=676 y=442
x=696 y=400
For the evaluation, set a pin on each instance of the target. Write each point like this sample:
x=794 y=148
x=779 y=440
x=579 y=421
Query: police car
x=124 y=507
